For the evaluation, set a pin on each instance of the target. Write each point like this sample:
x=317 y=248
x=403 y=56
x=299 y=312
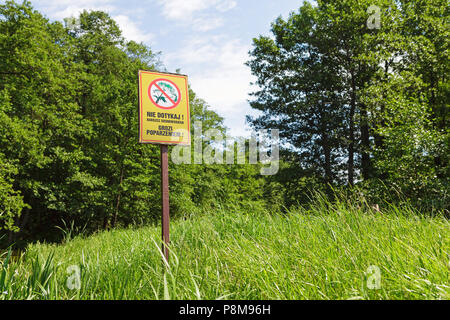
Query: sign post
x=164 y=120
x=165 y=199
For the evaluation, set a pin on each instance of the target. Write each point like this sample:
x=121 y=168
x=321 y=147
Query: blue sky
x=208 y=40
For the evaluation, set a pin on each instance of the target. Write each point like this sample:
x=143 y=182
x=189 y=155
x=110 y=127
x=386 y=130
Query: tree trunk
x=378 y=139
x=105 y=221
x=327 y=152
x=351 y=146
x=325 y=144
x=118 y=200
x=365 y=142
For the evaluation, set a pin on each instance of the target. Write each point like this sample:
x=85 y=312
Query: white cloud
x=205 y=24
x=215 y=65
x=224 y=6
x=74 y=11
x=131 y=31
x=66 y=8
x=189 y=12
x=65 y=3
x=182 y=9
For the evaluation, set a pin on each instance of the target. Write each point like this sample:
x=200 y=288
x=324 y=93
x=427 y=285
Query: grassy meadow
x=329 y=251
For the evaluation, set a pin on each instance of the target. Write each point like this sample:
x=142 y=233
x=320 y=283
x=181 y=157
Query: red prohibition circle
x=171 y=82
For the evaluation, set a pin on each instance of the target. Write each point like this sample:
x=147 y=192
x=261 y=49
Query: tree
x=300 y=92
x=379 y=93
x=407 y=102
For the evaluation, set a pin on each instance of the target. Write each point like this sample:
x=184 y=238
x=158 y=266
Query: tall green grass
x=325 y=252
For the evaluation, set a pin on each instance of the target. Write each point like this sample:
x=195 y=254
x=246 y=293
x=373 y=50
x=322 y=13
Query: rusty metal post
x=165 y=199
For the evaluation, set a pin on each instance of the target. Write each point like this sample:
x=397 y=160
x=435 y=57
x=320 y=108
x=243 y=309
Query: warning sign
x=163 y=108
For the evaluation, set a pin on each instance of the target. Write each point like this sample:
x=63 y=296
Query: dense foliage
x=69 y=127
x=360 y=91
x=356 y=106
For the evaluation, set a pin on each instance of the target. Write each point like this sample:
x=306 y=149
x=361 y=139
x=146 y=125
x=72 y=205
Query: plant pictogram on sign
x=164 y=94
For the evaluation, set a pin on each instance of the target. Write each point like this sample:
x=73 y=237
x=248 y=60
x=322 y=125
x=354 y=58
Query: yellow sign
x=163 y=108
